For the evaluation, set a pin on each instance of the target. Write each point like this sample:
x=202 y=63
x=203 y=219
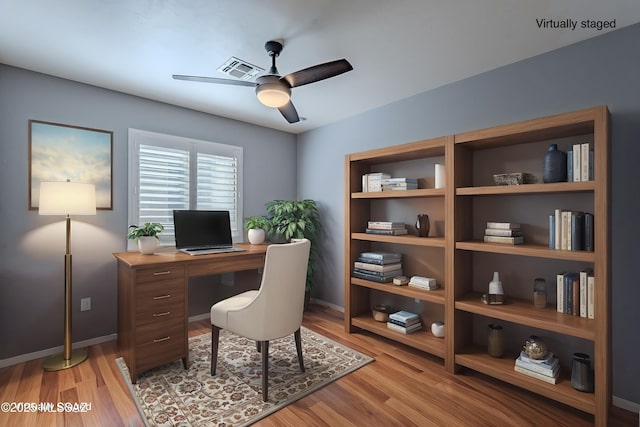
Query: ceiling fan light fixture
x=274 y=95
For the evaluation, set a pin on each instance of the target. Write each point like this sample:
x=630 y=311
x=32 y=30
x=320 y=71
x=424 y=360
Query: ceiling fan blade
x=289 y=112
x=214 y=80
x=318 y=72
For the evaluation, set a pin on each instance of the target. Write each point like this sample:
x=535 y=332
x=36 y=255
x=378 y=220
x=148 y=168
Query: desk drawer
x=162 y=300
x=159 y=343
x=160 y=272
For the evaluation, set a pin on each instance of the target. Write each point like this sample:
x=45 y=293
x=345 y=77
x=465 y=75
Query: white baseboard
x=55 y=350
x=327 y=304
x=625 y=404
x=197 y=317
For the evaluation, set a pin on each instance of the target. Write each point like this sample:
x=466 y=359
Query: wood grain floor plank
x=402 y=387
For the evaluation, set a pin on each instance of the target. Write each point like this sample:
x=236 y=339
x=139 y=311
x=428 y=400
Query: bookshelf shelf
x=538 y=251
x=521 y=311
x=557 y=187
x=437 y=242
x=462 y=263
x=476 y=358
x=421 y=192
x=422 y=340
x=436 y=296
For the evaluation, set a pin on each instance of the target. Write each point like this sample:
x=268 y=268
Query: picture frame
x=60 y=152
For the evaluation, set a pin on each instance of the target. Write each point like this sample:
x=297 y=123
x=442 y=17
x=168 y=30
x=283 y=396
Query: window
x=169 y=172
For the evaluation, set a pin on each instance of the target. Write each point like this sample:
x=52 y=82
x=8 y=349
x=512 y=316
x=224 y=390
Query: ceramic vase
x=147 y=244
x=495 y=341
x=555 y=165
x=422 y=225
x=256 y=236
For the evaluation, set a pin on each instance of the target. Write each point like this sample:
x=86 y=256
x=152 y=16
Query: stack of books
x=379 y=267
x=372 y=182
x=576 y=293
x=580 y=163
x=546 y=369
x=389 y=184
x=388 y=228
x=404 y=322
x=571 y=230
x=503 y=232
x=424 y=283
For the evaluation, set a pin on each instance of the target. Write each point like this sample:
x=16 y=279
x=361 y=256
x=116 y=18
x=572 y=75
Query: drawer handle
x=161 y=273
x=162 y=339
x=162 y=296
x=166 y=313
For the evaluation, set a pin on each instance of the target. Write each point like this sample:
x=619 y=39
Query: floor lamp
x=67 y=198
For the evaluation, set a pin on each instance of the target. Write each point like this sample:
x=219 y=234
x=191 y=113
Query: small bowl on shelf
x=381 y=312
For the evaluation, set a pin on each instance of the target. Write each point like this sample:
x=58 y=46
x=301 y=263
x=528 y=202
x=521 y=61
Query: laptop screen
x=202 y=229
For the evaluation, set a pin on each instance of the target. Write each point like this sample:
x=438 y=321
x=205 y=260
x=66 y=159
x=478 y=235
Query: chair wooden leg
x=258 y=346
x=265 y=370
x=215 y=336
x=298 y=340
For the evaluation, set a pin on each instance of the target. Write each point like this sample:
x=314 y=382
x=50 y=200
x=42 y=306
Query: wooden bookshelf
x=470 y=159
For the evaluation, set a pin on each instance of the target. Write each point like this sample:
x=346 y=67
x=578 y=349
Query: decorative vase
x=437 y=329
x=422 y=225
x=495 y=341
x=147 y=244
x=581 y=373
x=555 y=165
x=256 y=236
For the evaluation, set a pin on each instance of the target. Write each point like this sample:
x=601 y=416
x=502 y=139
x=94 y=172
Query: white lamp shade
x=273 y=95
x=67 y=198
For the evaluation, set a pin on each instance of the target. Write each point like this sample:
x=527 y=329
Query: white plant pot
x=147 y=244
x=256 y=236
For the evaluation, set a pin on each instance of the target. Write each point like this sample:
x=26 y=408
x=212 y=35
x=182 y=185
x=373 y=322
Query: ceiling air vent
x=240 y=69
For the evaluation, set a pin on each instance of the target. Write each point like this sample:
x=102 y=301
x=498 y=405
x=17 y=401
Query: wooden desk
x=153 y=301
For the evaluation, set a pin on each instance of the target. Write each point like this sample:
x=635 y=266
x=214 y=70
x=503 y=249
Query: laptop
x=203 y=232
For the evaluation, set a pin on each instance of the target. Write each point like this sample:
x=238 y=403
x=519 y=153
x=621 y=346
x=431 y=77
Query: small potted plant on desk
x=146 y=236
x=257 y=227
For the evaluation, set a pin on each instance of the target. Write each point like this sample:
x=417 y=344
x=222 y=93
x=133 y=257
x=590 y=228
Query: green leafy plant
x=151 y=229
x=254 y=222
x=296 y=219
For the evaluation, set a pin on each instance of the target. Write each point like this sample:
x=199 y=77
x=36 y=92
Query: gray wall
x=32 y=246
x=602 y=70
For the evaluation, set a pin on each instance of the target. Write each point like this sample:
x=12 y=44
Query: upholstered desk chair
x=271 y=312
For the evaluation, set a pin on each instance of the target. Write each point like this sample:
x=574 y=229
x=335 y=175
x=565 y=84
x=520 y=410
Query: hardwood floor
x=402 y=387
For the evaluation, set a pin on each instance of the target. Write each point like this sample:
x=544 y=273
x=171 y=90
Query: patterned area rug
x=172 y=396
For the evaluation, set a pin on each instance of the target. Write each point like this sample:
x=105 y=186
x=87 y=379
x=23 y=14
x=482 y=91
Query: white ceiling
x=397 y=48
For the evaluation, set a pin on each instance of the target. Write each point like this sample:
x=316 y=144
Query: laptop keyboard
x=206 y=251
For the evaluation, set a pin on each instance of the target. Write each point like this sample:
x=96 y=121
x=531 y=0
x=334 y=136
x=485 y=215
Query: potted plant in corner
x=297 y=219
x=146 y=236
x=257 y=227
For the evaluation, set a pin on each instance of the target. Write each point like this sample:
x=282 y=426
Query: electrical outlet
x=85 y=304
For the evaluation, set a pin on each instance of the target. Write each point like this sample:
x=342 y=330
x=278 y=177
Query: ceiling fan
x=275 y=91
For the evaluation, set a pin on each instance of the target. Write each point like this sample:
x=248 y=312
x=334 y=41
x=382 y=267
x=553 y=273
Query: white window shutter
x=163 y=186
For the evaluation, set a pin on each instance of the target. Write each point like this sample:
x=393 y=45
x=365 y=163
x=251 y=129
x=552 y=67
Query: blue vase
x=555 y=165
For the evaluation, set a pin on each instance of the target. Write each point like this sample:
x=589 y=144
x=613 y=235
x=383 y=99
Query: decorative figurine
x=496 y=292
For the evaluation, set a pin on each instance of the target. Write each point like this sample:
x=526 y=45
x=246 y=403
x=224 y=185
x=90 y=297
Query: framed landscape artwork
x=60 y=152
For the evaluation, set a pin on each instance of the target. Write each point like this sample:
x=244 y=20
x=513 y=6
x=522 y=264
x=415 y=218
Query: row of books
x=580 y=163
x=379 y=181
x=503 y=232
x=388 y=228
x=404 y=322
x=575 y=293
x=547 y=369
x=571 y=230
x=378 y=266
